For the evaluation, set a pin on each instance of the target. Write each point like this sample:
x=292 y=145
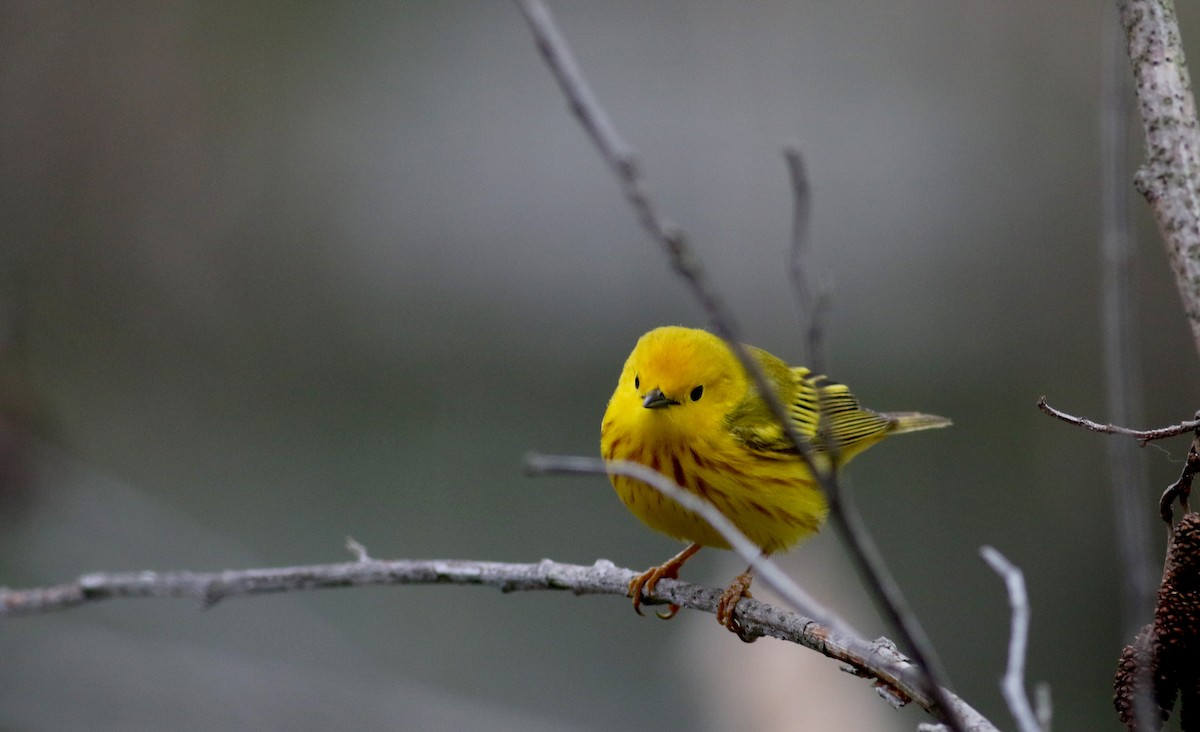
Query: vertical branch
x=811 y=300
x=1170 y=181
x=1122 y=377
x=1170 y=174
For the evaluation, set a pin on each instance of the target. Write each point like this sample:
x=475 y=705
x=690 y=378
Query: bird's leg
x=644 y=583
x=739 y=588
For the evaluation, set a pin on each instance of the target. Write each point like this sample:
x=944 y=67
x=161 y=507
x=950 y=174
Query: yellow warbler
x=684 y=406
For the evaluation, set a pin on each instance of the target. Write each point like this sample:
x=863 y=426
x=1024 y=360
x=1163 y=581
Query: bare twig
x=813 y=301
x=1142 y=436
x=870 y=660
x=1170 y=174
x=1013 y=685
x=621 y=160
x=1179 y=490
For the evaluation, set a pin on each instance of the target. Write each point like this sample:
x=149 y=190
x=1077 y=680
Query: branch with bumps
x=1169 y=177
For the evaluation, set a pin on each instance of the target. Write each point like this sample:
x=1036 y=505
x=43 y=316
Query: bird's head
x=679 y=382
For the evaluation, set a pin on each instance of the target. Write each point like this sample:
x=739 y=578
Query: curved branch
x=1142 y=436
x=1013 y=684
x=876 y=660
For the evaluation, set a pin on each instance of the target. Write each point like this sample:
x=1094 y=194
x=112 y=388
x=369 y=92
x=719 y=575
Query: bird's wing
x=823 y=411
x=844 y=426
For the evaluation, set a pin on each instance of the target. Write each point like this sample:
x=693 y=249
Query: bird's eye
x=697 y=393
x=637 y=382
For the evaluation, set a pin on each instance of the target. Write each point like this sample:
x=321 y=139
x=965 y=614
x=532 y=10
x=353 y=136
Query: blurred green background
x=272 y=274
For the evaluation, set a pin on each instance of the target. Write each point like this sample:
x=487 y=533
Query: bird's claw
x=672 y=609
x=738 y=589
x=643 y=585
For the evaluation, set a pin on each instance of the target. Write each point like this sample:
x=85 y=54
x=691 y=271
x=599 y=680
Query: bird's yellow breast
x=774 y=503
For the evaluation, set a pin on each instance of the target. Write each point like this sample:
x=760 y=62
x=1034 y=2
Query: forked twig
x=876 y=660
x=1179 y=490
x=1013 y=685
x=621 y=160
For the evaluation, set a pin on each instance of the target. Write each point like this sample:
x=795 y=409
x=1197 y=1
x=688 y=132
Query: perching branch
x=1013 y=685
x=878 y=660
x=768 y=572
x=209 y=588
x=621 y=160
x=1170 y=174
x=1142 y=436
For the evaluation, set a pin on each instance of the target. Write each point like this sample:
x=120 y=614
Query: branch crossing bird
x=685 y=407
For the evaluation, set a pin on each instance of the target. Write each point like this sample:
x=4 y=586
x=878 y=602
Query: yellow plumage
x=685 y=407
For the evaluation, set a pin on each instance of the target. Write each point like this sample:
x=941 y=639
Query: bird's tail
x=913 y=421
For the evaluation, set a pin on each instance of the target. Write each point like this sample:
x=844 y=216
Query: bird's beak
x=655 y=399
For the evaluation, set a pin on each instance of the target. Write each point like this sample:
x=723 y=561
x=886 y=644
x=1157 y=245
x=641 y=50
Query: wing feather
x=824 y=411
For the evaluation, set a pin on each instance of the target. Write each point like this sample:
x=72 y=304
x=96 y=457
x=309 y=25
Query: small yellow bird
x=684 y=406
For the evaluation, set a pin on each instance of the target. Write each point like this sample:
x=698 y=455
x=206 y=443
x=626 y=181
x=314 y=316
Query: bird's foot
x=739 y=588
x=643 y=585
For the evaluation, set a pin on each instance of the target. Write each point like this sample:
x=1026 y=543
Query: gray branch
x=877 y=660
x=1013 y=685
x=1170 y=174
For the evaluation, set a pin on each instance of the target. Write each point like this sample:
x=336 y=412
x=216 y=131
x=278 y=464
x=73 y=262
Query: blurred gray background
x=272 y=274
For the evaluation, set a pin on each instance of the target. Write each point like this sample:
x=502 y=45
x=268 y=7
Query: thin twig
x=1170 y=174
x=1013 y=685
x=813 y=301
x=1142 y=436
x=620 y=159
x=870 y=660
